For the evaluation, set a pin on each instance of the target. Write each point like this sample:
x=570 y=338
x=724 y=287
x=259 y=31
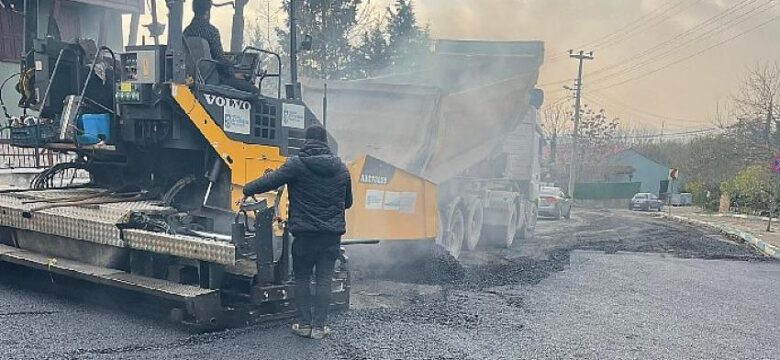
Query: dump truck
x=167 y=149
x=466 y=119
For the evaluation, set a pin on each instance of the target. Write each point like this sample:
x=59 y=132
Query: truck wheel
x=455 y=231
x=511 y=227
x=474 y=221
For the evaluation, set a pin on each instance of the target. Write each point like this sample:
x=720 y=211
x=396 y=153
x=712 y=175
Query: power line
x=675 y=134
x=630 y=108
x=556 y=82
x=633 y=116
x=696 y=132
x=560 y=100
x=637 y=27
x=642 y=56
x=612 y=72
x=672 y=51
x=692 y=55
x=633 y=24
x=605 y=106
x=630 y=27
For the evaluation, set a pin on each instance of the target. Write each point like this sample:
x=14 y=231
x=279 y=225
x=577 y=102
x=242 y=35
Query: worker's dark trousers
x=314 y=254
x=227 y=77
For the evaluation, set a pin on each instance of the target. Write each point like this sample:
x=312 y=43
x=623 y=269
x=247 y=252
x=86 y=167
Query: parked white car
x=553 y=202
x=646 y=202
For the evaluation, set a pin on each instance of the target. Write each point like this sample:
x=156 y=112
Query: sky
x=657 y=63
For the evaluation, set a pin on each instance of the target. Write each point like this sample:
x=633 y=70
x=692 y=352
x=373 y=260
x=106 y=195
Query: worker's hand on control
x=240 y=202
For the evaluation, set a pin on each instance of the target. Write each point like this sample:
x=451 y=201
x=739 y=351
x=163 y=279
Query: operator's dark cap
x=200 y=7
x=316 y=132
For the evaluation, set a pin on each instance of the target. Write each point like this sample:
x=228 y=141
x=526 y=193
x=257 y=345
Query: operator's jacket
x=320 y=190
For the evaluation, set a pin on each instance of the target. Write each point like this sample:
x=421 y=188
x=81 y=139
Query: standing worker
x=320 y=190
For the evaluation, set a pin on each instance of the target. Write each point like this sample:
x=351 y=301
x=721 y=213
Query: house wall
x=89 y=17
x=646 y=171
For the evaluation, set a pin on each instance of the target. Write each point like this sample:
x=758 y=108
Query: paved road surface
x=606 y=284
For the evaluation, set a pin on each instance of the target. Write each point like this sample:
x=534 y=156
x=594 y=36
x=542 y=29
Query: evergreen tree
x=330 y=23
x=372 y=56
x=406 y=39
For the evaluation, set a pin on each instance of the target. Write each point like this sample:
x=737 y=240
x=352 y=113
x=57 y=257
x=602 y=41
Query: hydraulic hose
x=2 y=102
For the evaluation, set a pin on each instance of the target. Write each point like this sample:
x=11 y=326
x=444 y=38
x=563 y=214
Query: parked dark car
x=554 y=203
x=646 y=202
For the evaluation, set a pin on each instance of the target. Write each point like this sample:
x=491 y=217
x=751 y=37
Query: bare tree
x=755 y=111
x=723 y=114
x=598 y=140
x=555 y=121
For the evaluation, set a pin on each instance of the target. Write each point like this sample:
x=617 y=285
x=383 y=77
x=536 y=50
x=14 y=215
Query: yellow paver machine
x=167 y=149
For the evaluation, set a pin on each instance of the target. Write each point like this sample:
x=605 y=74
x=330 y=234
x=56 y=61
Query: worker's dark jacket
x=200 y=27
x=320 y=190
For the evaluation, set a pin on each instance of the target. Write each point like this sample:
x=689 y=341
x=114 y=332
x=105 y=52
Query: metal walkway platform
x=98 y=224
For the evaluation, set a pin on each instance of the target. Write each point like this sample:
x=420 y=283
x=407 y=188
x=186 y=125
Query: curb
x=738 y=216
x=760 y=245
x=747 y=217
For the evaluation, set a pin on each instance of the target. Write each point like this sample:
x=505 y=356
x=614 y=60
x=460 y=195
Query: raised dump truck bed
x=466 y=120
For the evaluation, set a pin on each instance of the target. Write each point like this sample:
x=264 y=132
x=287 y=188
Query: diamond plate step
x=97 y=224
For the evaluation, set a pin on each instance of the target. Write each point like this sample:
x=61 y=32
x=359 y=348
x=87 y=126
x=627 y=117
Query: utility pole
x=581 y=56
x=772 y=185
x=294 y=88
x=663 y=127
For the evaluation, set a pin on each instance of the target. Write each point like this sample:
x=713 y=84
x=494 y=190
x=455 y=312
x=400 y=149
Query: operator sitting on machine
x=202 y=28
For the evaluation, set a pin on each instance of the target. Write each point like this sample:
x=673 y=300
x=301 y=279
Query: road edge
x=760 y=245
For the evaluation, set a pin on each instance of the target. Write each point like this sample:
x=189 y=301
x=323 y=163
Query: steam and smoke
x=680 y=96
x=685 y=94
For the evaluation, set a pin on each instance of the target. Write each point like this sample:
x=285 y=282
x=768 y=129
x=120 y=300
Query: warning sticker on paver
x=374 y=199
x=293 y=116
x=237 y=120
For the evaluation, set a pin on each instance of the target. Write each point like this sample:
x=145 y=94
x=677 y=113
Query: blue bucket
x=95 y=127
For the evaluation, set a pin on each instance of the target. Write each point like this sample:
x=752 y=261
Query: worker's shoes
x=319 y=333
x=301 y=330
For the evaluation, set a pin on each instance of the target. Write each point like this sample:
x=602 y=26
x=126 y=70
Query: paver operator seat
x=199 y=64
